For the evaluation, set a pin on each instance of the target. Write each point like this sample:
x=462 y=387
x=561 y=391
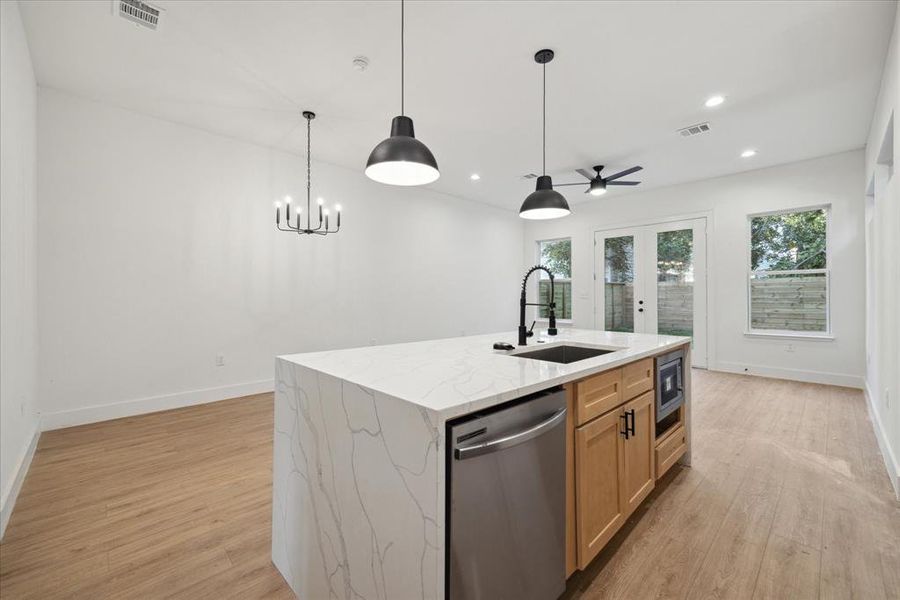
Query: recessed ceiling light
x=474 y=176
x=748 y=153
x=714 y=101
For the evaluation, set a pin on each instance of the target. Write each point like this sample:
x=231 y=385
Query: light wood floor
x=787 y=498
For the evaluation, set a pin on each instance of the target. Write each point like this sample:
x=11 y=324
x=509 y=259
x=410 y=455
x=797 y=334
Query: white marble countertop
x=455 y=376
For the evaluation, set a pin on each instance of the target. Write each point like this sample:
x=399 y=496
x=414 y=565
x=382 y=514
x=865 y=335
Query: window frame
x=536 y=291
x=751 y=331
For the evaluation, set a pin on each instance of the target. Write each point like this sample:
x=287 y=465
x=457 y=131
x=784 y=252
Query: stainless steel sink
x=563 y=354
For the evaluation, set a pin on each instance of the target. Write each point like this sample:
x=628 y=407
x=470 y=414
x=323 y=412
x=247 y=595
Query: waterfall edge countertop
x=456 y=376
x=359 y=472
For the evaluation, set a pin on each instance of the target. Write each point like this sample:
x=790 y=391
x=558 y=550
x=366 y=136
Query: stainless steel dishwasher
x=507 y=494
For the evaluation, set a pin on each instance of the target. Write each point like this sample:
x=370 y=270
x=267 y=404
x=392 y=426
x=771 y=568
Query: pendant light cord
x=402 y=58
x=544 y=131
x=308 y=172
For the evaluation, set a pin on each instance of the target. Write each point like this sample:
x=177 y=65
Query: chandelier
x=323 y=212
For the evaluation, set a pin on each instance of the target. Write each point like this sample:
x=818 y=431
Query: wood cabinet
x=669 y=449
x=614 y=454
x=599 y=467
x=598 y=394
x=638 y=478
x=637 y=378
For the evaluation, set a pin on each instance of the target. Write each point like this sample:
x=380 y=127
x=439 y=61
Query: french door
x=652 y=279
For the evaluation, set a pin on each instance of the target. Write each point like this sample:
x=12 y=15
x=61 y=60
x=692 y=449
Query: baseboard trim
x=841 y=379
x=890 y=461
x=141 y=406
x=11 y=494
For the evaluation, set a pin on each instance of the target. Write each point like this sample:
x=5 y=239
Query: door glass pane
x=675 y=282
x=618 y=286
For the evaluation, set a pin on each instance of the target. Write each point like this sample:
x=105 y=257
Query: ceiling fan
x=597 y=185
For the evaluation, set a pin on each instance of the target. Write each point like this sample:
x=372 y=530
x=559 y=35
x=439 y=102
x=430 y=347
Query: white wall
x=158 y=252
x=883 y=267
x=18 y=258
x=834 y=180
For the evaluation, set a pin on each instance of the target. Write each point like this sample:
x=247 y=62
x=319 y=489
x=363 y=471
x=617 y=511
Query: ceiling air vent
x=694 y=130
x=529 y=176
x=140 y=13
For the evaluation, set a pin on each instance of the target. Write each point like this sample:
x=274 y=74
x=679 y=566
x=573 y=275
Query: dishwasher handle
x=508 y=441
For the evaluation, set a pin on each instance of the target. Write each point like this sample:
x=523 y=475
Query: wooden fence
x=788 y=303
x=563 y=292
x=675 y=313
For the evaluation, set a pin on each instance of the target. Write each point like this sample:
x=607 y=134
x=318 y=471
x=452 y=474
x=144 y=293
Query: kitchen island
x=359 y=490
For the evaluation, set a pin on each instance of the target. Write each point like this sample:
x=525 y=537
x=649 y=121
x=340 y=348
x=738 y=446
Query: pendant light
x=544 y=202
x=402 y=159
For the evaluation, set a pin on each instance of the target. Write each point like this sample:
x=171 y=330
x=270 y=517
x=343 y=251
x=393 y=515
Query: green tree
x=674 y=253
x=789 y=241
x=619 y=253
x=557 y=256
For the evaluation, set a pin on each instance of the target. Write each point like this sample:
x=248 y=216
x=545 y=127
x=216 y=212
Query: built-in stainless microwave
x=669 y=383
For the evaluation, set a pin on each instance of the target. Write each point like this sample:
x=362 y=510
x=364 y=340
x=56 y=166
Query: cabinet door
x=599 y=464
x=638 y=477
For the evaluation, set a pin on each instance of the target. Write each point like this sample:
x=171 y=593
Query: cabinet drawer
x=598 y=394
x=669 y=450
x=637 y=378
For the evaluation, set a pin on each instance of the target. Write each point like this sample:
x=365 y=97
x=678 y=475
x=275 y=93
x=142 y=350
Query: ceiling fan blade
x=562 y=184
x=622 y=182
x=623 y=173
x=585 y=173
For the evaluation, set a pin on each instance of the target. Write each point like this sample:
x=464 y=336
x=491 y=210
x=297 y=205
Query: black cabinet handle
x=627 y=428
x=640 y=310
x=624 y=433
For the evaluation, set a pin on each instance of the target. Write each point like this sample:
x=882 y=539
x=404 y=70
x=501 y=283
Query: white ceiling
x=800 y=79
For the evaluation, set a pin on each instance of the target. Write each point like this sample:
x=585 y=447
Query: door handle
x=510 y=440
x=624 y=432
x=630 y=429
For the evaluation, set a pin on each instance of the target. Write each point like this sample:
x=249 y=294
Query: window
x=789 y=272
x=556 y=255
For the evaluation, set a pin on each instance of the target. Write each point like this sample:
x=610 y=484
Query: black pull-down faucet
x=524 y=333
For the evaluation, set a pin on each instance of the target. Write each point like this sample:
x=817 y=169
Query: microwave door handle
x=508 y=441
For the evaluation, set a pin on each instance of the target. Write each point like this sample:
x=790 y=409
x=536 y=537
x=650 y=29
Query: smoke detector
x=139 y=13
x=692 y=130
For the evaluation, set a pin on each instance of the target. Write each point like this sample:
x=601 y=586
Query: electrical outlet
x=373 y=341
x=220 y=360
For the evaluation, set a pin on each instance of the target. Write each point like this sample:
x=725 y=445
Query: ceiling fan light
x=544 y=202
x=598 y=187
x=402 y=159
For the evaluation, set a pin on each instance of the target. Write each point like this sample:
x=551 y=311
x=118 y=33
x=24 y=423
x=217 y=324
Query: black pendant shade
x=402 y=159
x=544 y=202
